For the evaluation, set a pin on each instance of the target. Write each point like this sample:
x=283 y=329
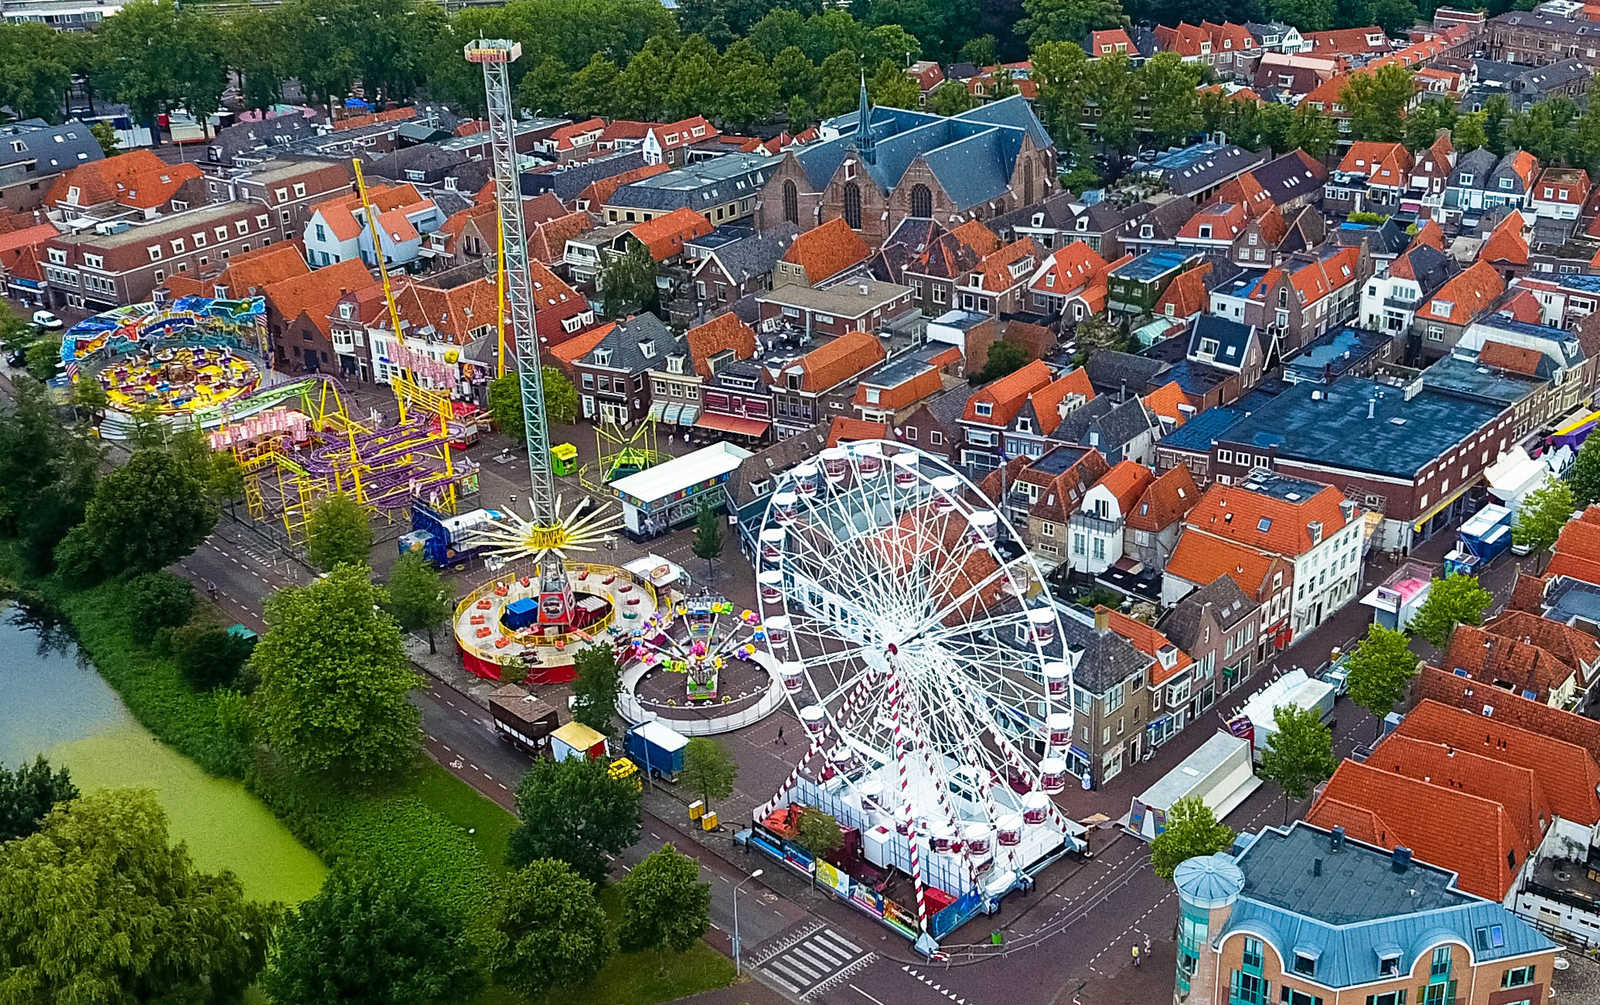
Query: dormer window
x=1388 y=961
x=984 y=409
x=647 y=348
x=602 y=357
x=675 y=363
x=1305 y=960
x=1147 y=231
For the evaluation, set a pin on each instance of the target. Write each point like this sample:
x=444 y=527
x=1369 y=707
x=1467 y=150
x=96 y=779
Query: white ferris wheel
x=925 y=661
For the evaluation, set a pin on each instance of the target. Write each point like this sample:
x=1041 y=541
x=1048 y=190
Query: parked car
x=17 y=359
x=44 y=319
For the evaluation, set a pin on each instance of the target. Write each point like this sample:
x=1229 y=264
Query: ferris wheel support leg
x=854 y=698
x=905 y=802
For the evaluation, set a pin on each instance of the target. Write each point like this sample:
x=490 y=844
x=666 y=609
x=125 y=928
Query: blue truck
x=444 y=540
x=657 y=748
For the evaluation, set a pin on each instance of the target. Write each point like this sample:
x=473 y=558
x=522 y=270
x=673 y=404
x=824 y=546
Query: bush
x=157 y=600
x=208 y=655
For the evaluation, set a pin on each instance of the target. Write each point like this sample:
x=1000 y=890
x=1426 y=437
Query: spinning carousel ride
x=698 y=637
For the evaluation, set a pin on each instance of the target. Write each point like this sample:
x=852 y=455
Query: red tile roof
x=1226 y=221
x=579 y=346
x=1149 y=641
x=1465 y=295
x=1265 y=522
x=392 y=115
x=1185 y=296
x=1514 y=358
x=316 y=293
x=1314 y=280
x=1577 y=552
x=1007 y=394
x=1109 y=42
x=1385 y=164
x=1069 y=269
x=1556 y=180
x=833 y=363
x=339 y=212
x=720 y=334
x=1126 y=482
x=1165 y=501
x=1047 y=399
x=1349 y=42
x=261 y=267
x=14 y=240
x=976 y=236
x=1524 y=306
x=666 y=234
x=600 y=192
x=458 y=314
x=1512 y=786
x=1507 y=662
x=848 y=429
x=1166 y=403
x=138 y=179
x=1567 y=644
x=1431 y=234
x=901 y=395
x=1506 y=243
x=1002 y=269
x=1507 y=709
x=826 y=250
x=1202 y=559
x=682 y=133
x=1567 y=773
x=1471 y=835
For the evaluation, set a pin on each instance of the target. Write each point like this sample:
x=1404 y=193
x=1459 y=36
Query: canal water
x=52 y=702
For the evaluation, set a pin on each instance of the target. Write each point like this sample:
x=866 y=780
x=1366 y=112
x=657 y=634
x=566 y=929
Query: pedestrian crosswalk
x=812 y=960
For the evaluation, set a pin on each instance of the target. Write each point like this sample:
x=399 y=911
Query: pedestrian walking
x=1136 y=955
x=780 y=737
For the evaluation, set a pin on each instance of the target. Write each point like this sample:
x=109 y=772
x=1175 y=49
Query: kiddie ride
x=711 y=634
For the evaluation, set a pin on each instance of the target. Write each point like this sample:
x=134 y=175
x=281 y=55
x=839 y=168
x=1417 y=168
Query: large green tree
x=28 y=793
x=1377 y=103
x=35 y=70
x=1313 y=132
x=560 y=397
x=1381 y=668
x=575 y=811
x=144 y=516
x=142 y=54
x=157 y=600
x=1168 y=85
x=371 y=939
x=47 y=475
x=338 y=532
x=889 y=86
x=334 y=679
x=594 y=690
x=664 y=904
x=1298 y=755
x=505 y=404
x=708 y=769
x=548 y=932
x=417 y=597
x=951 y=97
x=1539 y=519
x=1191 y=829
x=1067 y=20
x=708 y=539
x=1585 y=474
x=1454 y=600
x=98 y=906
x=627 y=282
x=208 y=655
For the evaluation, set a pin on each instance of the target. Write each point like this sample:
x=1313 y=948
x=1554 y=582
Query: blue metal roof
x=1358 y=906
x=1337 y=352
x=1152 y=264
x=1202 y=430
x=1400 y=438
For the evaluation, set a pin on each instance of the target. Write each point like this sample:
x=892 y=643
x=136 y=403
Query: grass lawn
x=465 y=807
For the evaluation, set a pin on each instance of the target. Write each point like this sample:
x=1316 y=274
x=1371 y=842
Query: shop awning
x=656 y=408
x=674 y=409
x=690 y=413
x=738 y=425
x=1438 y=507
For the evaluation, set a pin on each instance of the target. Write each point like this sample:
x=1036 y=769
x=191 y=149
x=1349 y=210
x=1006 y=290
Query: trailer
x=1219 y=773
x=1255 y=721
x=577 y=742
x=657 y=748
x=444 y=540
x=522 y=720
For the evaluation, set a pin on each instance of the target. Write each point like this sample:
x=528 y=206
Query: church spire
x=864 y=141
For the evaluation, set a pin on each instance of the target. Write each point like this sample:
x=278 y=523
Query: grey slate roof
x=1105 y=659
x=569 y=182
x=1233 y=340
x=1111 y=371
x=775 y=459
x=698 y=186
x=1477 y=163
x=1503 y=170
x=1200 y=166
x=1289 y=177
x=1106 y=426
x=1165 y=219
x=756 y=255
x=1360 y=903
x=1222 y=601
x=39 y=144
x=1431 y=267
x=264 y=139
x=627 y=342
x=972 y=154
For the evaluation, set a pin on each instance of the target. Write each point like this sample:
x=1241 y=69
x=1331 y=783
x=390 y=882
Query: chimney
x=1102 y=619
x=1336 y=839
x=1400 y=858
x=1372 y=407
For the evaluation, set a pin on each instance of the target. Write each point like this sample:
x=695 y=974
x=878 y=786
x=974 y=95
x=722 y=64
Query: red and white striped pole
x=895 y=699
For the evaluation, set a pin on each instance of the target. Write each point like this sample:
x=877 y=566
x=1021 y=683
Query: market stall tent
x=575 y=741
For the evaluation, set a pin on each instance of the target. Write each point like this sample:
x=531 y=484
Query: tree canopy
x=28 y=793
x=338 y=532
x=1585 y=474
x=98 y=906
x=548 y=932
x=371 y=939
x=574 y=811
x=708 y=769
x=595 y=688
x=664 y=904
x=1377 y=103
x=1299 y=754
x=1543 y=513
x=1454 y=600
x=144 y=516
x=334 y=679
x=417 y=597
x=1381 y=668
x=1191 y=829
x=505 y=404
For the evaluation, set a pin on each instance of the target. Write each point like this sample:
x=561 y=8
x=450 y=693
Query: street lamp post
x=736 y=964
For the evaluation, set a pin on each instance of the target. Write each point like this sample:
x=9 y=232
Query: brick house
x=799 y=385
x=819 y=254
x=677 y=378
x=1216 y=625
x=121 y=262
x=299 y=316
x=990 y=409
x=289 y=188
x=1175 y=688
x=135 y=185
x=612 y=373
x=856 y=305
x=1150 y=528
x=1040 y=495
x=32 y=156
x=1306 y=297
